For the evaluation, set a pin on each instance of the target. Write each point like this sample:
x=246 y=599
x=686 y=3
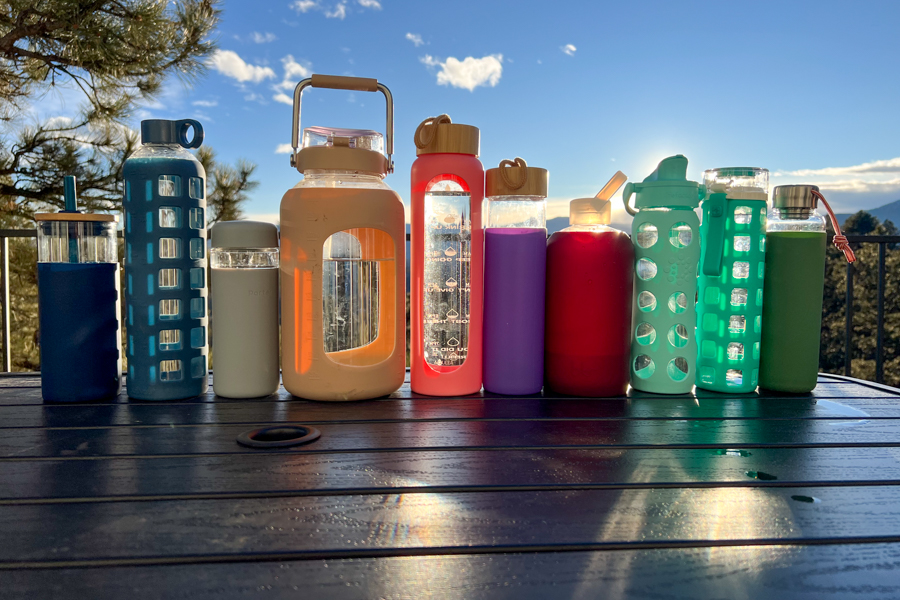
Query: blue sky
x=808 y=90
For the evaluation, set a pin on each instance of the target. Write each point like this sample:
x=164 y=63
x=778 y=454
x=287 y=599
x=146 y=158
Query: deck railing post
x=4 y=282
x=879 y=343
x=848 y=324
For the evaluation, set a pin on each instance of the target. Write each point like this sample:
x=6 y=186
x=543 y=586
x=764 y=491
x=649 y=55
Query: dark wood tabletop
x=703 y=496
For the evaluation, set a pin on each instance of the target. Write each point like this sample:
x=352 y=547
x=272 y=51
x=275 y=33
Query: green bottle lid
x=666 y=187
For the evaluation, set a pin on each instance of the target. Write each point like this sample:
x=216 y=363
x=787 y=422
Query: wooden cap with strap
x=516 y=178
x=438 y=134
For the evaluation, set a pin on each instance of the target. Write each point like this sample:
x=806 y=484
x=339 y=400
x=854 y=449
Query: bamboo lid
x=439 y=134
x=76 y=216
x=516 y=178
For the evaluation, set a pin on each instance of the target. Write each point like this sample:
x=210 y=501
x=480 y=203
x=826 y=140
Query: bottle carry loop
x=840 y=240
x=357 y=84
x=518 y=162
x=427 y=129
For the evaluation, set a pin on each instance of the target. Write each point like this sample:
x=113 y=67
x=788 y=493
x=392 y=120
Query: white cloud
x=860 y=186
x=254 y=97
x=302 y=6
x=375 y=4
x=468 y=73
x=228 y=63
x=283 y=98
x=284 y=149
x=263 y=38
x=568 y=49
x=879 y=166
x=339 y=12
x=415 y=38
x=293 y=73
x=206 y=103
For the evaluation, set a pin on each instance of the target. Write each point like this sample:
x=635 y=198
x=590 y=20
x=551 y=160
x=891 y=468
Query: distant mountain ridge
x=888 y=212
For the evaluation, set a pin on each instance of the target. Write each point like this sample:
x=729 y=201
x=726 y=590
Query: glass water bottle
x=343 y=269
x=165 y=263
x=78 y=304
x=243 y=264
x=730 y=284
x=795 y=283
x=667 y=249
x=590 y=292
x=447 y=240
x=515 y=257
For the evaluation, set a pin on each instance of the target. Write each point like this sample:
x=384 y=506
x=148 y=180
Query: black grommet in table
x=280 y=436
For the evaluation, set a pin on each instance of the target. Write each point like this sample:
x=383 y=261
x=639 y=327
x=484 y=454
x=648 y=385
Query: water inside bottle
x=448 y=243
x=351 y=289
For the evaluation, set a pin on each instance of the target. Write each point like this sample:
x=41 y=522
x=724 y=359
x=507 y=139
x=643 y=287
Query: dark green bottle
x=792 y=297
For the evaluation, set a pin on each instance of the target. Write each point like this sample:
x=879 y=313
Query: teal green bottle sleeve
x=729 y=303
x=667 y=251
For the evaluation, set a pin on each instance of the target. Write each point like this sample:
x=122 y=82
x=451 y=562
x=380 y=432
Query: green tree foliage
x=108 y=53
x=226 y=186
x=865 y=302
x=109 y=56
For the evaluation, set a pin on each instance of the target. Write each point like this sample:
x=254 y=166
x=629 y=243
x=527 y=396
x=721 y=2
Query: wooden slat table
x=705 y=496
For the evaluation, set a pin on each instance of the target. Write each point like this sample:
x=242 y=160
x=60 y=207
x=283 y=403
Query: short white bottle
x=244 y=308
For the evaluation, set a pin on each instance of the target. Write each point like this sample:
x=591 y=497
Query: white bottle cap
x=243 y=234
x=589 y=211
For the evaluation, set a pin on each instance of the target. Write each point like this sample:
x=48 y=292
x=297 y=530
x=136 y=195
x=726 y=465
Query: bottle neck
x=793 y=214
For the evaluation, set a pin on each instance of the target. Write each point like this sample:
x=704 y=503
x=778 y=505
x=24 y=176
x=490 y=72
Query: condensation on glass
x=353 y=262
x=448 y=274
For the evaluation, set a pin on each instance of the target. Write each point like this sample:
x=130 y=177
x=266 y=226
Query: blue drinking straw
x=71 y=207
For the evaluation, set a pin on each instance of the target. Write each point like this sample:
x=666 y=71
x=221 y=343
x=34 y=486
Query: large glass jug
x=343 y=292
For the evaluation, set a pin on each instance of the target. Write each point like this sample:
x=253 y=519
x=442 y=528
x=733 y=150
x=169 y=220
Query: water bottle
x=447 y=260
x=667 y=249
x=590 y=291
x=243 y=264
x=343 y=260
x=730 y=286
x=795 y=283
x=78 y=304
x=165 y=263
x=515 y=260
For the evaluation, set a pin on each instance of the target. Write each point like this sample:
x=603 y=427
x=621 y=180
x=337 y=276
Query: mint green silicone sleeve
x=730 y=299
x=676 y=274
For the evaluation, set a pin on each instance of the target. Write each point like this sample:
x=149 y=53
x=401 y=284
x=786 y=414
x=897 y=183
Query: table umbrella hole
x=281 y=436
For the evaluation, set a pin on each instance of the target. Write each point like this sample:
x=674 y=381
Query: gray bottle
x=244 y=309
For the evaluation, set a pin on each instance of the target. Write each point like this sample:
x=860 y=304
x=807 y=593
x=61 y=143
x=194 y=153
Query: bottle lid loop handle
x=427 y=129
x=338 y=82
x=183 y=126
x=840 y=240
x=518 y=162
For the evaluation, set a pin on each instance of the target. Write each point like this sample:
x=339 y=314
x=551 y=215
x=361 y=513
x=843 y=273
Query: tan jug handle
x=338 y=82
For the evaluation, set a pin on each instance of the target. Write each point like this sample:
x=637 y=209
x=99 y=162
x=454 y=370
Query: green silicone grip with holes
x=664 y=328
x=730 y=299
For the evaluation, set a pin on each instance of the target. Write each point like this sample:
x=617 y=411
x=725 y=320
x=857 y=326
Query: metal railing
x=882 y=240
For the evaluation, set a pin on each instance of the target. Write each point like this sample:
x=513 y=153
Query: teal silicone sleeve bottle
x=667 y=250
x=732 y=268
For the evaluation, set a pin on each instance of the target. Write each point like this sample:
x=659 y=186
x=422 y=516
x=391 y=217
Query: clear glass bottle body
x=166 y=273
x=526 y=212
x=77 y=242
x=515 y=256
x=792 y=305
x=78 y=309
